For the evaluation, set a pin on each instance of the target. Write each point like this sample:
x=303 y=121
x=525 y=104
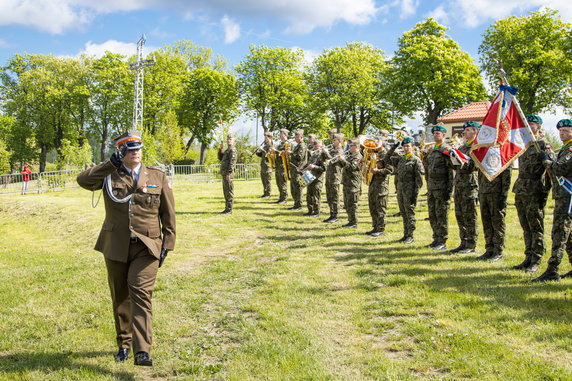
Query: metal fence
x=50 y=181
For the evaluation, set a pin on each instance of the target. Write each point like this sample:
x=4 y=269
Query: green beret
x=438 y=127
x=472 y=123
x=407 y=140
x=564 y=123
x=534 y=118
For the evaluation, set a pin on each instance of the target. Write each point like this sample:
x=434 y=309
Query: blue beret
x=534 y=118
x=564 y=123
x=472 y=123
x=438 y=127
x=407 y=140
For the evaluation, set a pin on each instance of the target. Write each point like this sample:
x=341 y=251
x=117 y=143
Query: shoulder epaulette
x=155 y=168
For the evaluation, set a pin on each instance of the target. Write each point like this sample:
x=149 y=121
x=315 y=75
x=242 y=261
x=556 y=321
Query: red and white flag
x=458 y=157
x=503 y=136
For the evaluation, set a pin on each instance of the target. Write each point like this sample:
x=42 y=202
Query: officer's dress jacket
x=149 y=215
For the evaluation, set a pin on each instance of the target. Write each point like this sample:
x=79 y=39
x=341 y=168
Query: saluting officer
x=227 y=165
x=137 y=233
x=562 y=225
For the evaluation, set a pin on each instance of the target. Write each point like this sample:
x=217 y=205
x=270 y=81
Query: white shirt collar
x=135 y=171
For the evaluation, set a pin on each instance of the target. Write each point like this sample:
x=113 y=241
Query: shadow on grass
x=47 y=363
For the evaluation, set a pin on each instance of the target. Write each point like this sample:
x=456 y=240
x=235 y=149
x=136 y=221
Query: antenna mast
x=138 y=95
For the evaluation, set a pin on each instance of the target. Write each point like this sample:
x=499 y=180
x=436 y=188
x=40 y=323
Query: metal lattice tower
x=138 y=66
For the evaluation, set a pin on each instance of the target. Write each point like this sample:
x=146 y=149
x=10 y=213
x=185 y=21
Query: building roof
x=473 y=111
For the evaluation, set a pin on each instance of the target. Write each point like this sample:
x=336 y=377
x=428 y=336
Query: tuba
x=286 y=159
x=370 y=144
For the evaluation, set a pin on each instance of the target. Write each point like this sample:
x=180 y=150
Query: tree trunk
x=203 y=156
x=103 y=140
x=189 y=143
x=43 y=157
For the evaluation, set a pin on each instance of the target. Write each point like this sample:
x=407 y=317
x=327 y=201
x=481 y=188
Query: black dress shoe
x=122 y=355
x=143 y=359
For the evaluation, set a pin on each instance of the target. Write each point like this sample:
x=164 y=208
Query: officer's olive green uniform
x=440 y=182
x=351 y=180
x=227 y=166
x=493 y=200
x=531 y=192
x=281 y=181
x=132 y=263
x=265 y=170
x=466 y=195
x=298 y=159
x=378 y=193
x=314 y=191
x=409 y=172
x=333 y=181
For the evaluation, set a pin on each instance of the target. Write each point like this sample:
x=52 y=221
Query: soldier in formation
x=281 y=180
x=317 y=167
x=298 y=158
x=227 y=165
x=265 y=169
x=334 y=176
x=351 y=181
x=378 y=193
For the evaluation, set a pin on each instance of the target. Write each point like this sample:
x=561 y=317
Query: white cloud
x=231 y=29
x=439 y=14
x=125 y=48
x=4 y=43
x=408 y=8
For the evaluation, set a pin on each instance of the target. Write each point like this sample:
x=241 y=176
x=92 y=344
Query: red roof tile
x=473 y=111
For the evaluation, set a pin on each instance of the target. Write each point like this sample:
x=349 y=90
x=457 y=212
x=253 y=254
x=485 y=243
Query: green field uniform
x=531 y=192
x=298 y=159
x=227 y=166
x=440 y=181
x=333 y=181
x=281 y=181
x=314 y=191
x=493 y=200
x=131 y=239
x=378 y=193
x=409 y=172
x=351 y=180
x=466 y=194
x=265 y=170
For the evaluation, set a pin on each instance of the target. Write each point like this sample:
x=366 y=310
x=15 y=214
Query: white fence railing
x=49 y=181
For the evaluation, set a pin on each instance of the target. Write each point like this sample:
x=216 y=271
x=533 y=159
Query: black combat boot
x=523 y=265
x=567 y=275
x=551 y=274
x=485 y=256
x=458 y=248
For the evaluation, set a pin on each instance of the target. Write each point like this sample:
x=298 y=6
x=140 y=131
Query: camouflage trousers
x=438 y=204
x=228 y=190
x=561 y=233
x=407 y=201
x=466 y=215
x=351 y=198
x=266 y=177
x=377 y=200
x=282 y=184
x=530 y=209
x=313 y=196
x=493 y=212
x=296 y=187
x=333 y=196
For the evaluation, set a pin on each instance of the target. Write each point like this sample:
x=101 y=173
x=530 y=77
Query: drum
x=308 y=177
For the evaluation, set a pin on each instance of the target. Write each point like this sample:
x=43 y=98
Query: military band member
x=493 y=200
x=265 y=169
x=298 y=158
x=311 y=141
x=351 y=180
x=281 y=181
x=316 y=165
x=466 y=194
x=334 y=176
x=227 y=165
x=561 y=167
x=440 y=177
x=531 y=193
x=137 y=233
x=378 y=192
x=410 y=171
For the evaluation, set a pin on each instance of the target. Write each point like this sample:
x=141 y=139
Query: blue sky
x=72 y=27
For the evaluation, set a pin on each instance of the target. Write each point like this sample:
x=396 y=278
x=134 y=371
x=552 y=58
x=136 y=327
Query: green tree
x=536 y=53
x=170 y=140
x=73 y=155
x=431 y=74
x=208 y=97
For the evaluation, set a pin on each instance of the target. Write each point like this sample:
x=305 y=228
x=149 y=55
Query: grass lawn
x=267 y=293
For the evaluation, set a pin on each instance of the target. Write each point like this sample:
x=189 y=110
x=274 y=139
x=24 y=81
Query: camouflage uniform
x=465 y=195
x=297 y=160
x=281 y=181
x=378 y=193
x=493 y=200
x=333 y=180
x=265 y=170
x=227 y=165
x=440 y=180
x=409 y=173
x=351 y=180
x=314 y=191
x=531 y=192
